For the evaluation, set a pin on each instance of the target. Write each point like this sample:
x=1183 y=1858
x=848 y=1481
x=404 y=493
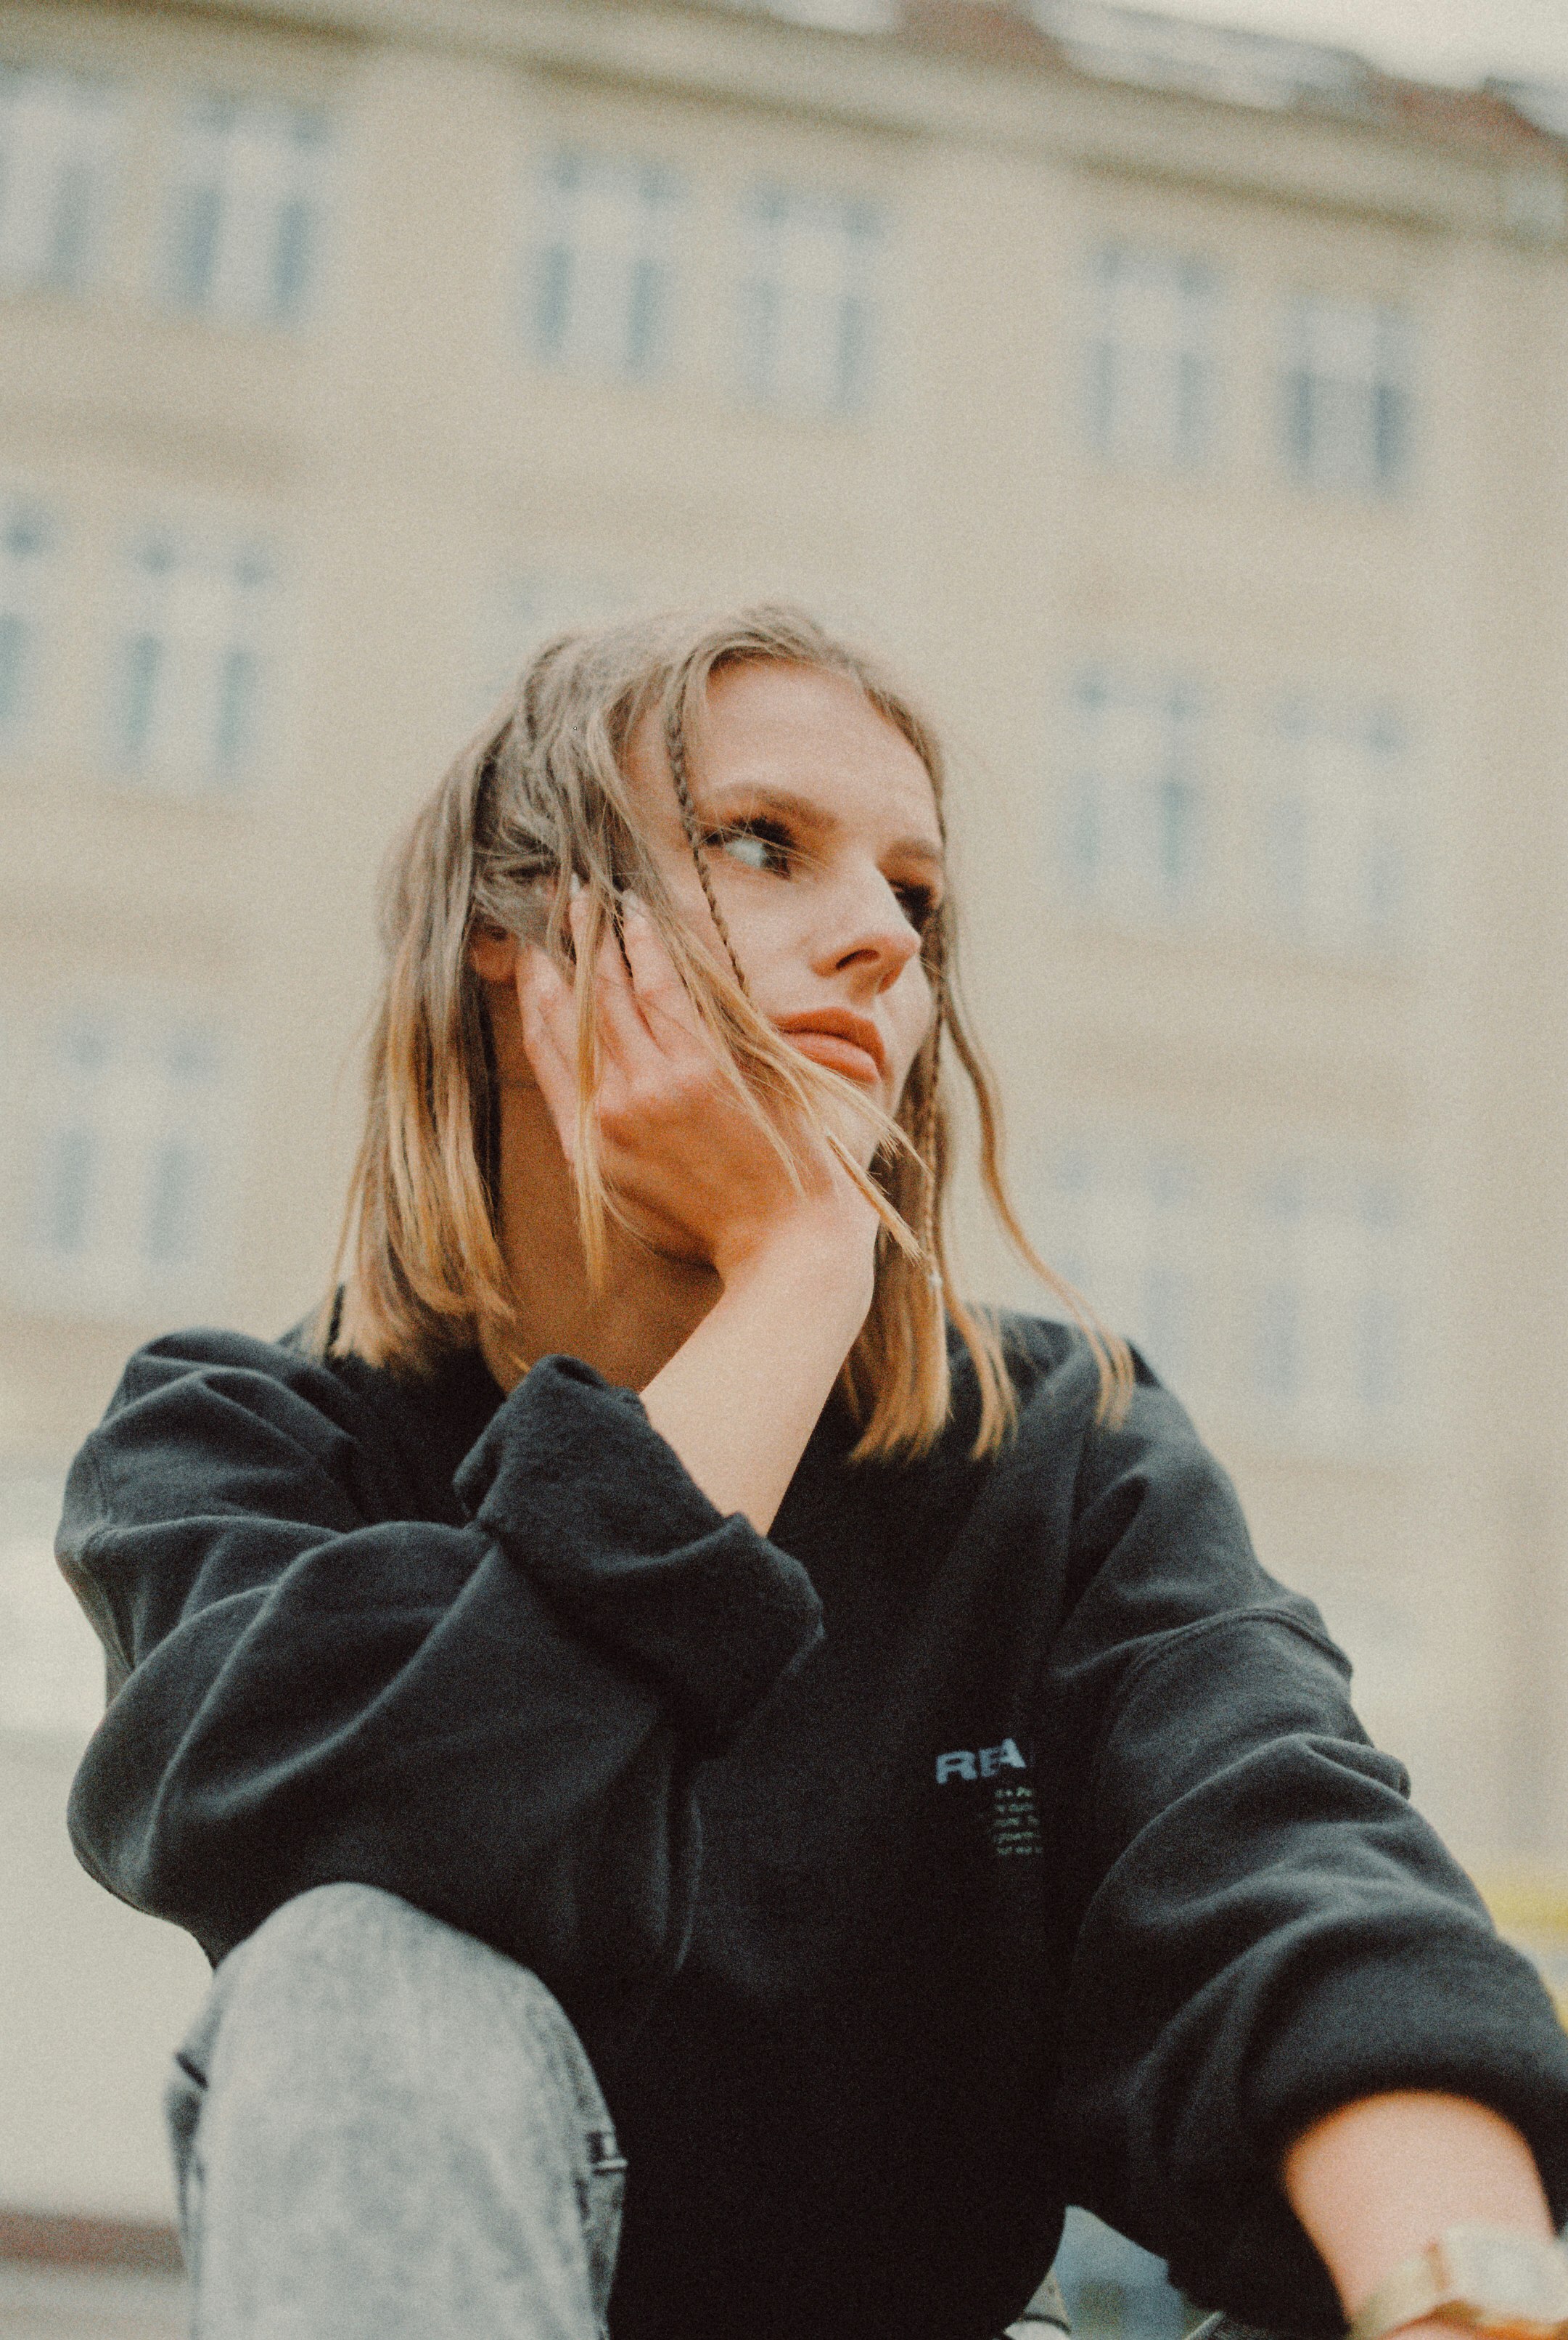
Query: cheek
x=771 y=930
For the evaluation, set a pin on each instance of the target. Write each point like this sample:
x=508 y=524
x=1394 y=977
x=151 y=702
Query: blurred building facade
x=1187 y=411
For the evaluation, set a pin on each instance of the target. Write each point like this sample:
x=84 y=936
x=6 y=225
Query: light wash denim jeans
x=384 y=2130
x=381 y=2128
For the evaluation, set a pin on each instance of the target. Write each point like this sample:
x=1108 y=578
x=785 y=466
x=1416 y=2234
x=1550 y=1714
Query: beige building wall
x=430 y=495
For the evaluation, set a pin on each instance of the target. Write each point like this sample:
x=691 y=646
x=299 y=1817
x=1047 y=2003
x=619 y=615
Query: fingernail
x=632 y=906
x=574 y=886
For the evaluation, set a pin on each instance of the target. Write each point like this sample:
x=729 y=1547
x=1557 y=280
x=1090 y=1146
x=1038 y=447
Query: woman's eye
x=918 y=903
x=757 y=848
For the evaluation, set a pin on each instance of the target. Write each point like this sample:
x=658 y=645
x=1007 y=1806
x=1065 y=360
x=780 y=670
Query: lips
x=843 y=1042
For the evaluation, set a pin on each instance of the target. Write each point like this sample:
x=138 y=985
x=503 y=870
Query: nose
x=868 y=934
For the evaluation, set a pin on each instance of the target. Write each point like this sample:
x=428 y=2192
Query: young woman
x=654 y=1679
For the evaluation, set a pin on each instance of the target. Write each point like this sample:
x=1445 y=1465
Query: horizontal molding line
x=1317 y=160
x=59 y=2239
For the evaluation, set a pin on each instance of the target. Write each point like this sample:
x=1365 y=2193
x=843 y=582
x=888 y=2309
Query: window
x=1347 y=397
x=190 y=661
x=1328 y=1334
x=121 y=1123
x=1133 y=832
x=51 y=1662
x=1111 y=2287
x=1334 y=837
x=26 y=549
x=59 y=145
x=245 y=211
x=806 y=317
x=1152 y=365
x=599 y=271
x=1127 y=1229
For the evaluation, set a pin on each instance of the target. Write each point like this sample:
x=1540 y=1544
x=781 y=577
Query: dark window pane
x=1165 y=1313
x=645 y=306
x=69 y=1191
x=552 y=299
x=292 y=255
x=759 y=331
x=1279 y=1344
x=67 y=260
x=853 y=353
x=195 y=245
x=1101 y=394
x=1379 y=1359
x=1299 y=423
x=13 y=652
x=1177 y=812
x=25 y=533
x=236 y=707
x=1084 y=842
x=1288 y=838
x=143 y=666
x=1390 y=434
x=1385 y=886
x=170 y=1238
x=1191 y=408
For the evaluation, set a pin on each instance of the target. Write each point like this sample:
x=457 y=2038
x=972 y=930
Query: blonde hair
x=538 y=794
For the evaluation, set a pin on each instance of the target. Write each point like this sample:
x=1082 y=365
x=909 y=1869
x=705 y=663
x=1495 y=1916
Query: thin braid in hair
x=925 y=1139
x=675 y=750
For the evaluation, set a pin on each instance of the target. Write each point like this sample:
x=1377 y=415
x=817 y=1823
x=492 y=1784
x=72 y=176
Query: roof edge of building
x=985 y=73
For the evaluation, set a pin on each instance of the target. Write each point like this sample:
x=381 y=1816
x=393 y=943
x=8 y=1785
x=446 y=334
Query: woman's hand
x=685 y=1160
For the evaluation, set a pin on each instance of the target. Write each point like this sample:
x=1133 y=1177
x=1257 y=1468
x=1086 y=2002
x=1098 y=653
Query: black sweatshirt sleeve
x=498 y=1721
x=1264 y=1929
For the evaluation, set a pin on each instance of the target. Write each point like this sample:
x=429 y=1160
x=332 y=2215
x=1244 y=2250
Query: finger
x=546 y=1004
x=660 y=995
x=623 y=1034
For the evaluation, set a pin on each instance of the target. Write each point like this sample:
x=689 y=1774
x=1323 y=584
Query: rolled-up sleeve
x=499 y=1719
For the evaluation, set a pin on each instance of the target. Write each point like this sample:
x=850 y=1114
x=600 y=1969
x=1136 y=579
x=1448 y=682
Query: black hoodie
x=990 y=1835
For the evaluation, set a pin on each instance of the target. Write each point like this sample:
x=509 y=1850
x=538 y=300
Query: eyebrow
x=813 y=816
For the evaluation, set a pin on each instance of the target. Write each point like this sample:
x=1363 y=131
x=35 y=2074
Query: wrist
x=826 y=1247
x=1505 y=2281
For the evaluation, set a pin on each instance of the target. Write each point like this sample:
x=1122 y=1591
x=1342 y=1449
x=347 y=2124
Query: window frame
x=781 y=214
x=563 y=186
x=1325 y=450
x=1191 y=354
x=94 y=171
x=125 y=1088
x=229 y=189
x=196 y=630
x=1157 y=818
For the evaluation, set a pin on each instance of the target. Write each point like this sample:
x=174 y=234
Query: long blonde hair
x=538 y=794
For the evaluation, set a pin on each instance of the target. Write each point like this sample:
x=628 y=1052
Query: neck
x=648 y=1306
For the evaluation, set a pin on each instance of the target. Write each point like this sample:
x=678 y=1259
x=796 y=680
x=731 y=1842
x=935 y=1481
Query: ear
x=493 y=955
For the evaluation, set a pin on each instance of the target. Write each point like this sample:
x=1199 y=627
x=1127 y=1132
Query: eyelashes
x=919 y=904
x=764 y=846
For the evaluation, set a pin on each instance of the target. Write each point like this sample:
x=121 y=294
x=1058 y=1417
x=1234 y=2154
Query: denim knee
x=358 y=2039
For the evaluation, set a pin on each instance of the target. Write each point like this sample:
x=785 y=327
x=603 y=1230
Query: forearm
x=740 y=1398
x=1380 y=2178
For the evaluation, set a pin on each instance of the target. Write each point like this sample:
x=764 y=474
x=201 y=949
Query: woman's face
x=821 y=837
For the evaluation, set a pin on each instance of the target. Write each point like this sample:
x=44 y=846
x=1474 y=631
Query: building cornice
x=1011 y=96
